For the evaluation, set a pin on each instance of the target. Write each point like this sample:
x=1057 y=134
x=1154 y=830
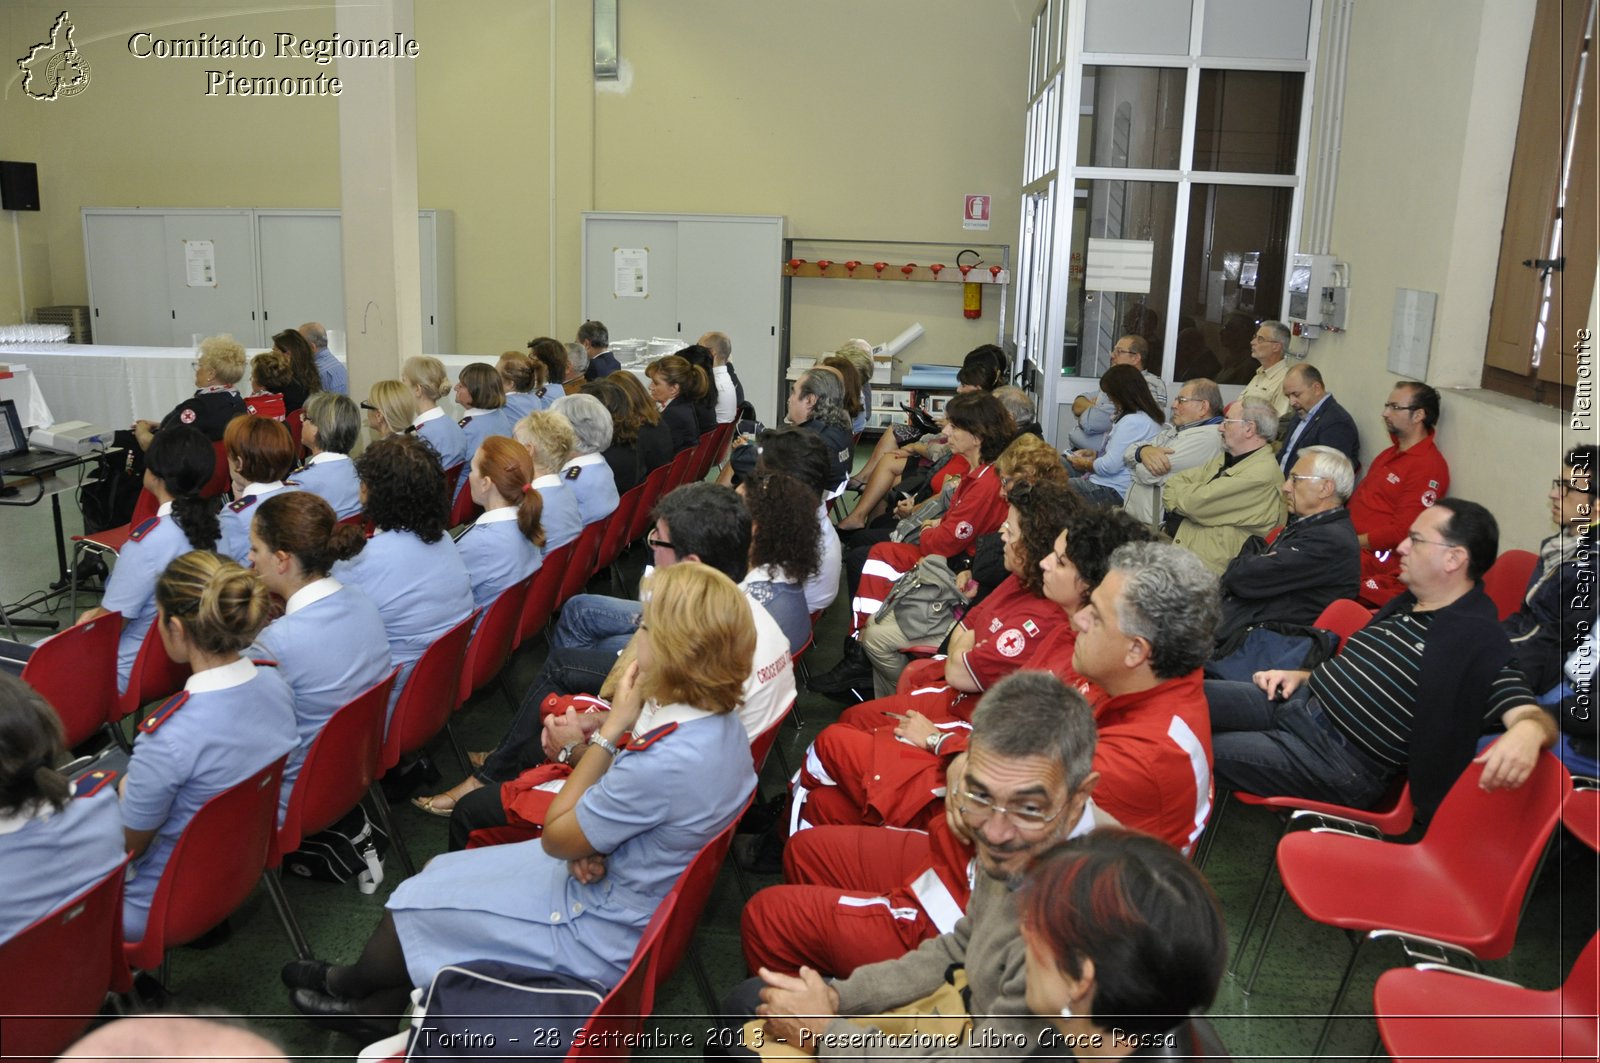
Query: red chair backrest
x=542 y=594
x=464 y=510
x=155 y=675
x=144 y=507
x=354 y=518
x=294 y=420
x=761 y=745
x=76 y=672
x=221 y=477
x=1392 y=814
x=616 y=534
x=493 y=640
x=218 y=860
x=1492 y=840
x=622 y=1013
x=580 y=565
x=678 y=471
x=694 y=888
x=431 y=694
x=655 y=485
x=452 y=476
x=339 y=767
x=1507 y=579
x=55 y=973
x=1344 y=618
x=1582 y=988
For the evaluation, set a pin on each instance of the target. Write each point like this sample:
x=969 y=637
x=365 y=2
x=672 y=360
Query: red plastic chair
x=619 y=1018
x=655 y=485
x=221 y=481
x=1461 y=887
x=76 y=672
x=617 y=524
x=1507 y=579
x=763 y=743
x=452 y=476
x=1580 y=813
x=1344 y=618
x=1391 y=817
x=580 y=564
x=678 y=471
x=546 y=587
x=1433 y=1011
x=55 y=974
x=694 y=889
x=155 y=676
x=431 y=694
x=492 y=642
x=463 y=510
x=110 y=541
x=339 y=769
x=295 y=420
x=218 y=860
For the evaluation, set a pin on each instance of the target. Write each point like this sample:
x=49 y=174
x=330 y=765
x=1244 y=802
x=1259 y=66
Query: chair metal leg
x=291 y=926
x=1338 y=1000
x=783 y=758
x=1213 y=827
x=1266 y=939
x=1255 y=911
x=698 y=969
x=461 y=752
x=380 y=805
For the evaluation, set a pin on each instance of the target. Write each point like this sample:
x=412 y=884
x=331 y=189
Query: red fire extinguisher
x=971 y=293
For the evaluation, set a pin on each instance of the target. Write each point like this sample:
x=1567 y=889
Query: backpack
x=490 y=1008
x=351 y=848
x=109 y=496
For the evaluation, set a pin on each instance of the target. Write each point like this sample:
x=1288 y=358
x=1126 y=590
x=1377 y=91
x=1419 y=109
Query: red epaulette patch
x=261 y=662
x=243 y=504
x=143 y=529
x=650 y=738
x=161 y=715
x=94 y=782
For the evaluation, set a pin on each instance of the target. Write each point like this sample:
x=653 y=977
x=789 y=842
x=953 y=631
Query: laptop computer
x=16 y=459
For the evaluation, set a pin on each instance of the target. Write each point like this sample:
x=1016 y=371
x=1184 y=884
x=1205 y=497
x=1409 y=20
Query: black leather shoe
x=307 y=974
x=336 y=1013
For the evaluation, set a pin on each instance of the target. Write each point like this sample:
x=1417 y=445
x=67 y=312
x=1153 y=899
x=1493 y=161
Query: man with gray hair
x=1019 y=404
x=1273 y=593
x=1213 y=508
x=577 y=367
x=587 y=475
x=730 y=393
x=1023 y=787
x=1268 y=347
x=330 y=369
x=1189 y=439
x=1142 y=638
x=595 y=339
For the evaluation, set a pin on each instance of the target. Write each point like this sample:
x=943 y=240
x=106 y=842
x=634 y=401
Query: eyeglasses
x=1305 y=476
x=1235 y=420
x=1264 y=339
x=1398 y=406
x=1417 y=540
x=1565 y=486
x=1027 y=820
x=1187 y=398
x=369 y=406
x=658 y=544
x=1123 y=350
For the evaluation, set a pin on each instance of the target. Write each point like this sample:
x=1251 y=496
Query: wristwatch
x=598 y=739
x=565 y=756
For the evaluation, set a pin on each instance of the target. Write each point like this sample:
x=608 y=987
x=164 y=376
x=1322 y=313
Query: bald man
x=186 y=1037
x=330 y=369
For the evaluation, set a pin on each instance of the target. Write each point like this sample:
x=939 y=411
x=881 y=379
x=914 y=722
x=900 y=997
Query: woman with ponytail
x=502 y=546
x=178 y=464
x=232 y=719
x=329 y=645
x=676 y=384
x=56 y=838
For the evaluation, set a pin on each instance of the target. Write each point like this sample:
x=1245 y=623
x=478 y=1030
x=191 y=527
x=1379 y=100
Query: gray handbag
x=924 y=602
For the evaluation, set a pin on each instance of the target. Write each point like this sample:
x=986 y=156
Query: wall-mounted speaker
x=19 y=186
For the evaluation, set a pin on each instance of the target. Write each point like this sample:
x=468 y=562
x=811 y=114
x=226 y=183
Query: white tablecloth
x=21 y=388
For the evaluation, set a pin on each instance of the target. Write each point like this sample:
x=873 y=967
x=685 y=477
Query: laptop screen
x=12 y=440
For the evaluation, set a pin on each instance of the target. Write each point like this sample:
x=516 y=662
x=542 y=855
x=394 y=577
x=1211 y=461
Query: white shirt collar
x=549 y=479
x=236 y=674
x=764 y=574
x=164 y=509
x=310 y=594
x=323 y=457
x=584 y=460
x=430 y=415
x=653 y=716
x=1313 y=411
x=261 y=490
x=496 y=516
x=469 y=412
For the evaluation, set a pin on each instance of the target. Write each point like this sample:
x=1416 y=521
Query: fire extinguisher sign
x=975 y=212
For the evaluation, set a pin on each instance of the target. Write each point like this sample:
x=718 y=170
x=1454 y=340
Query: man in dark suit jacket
x=1321 y=421
x=596 y=342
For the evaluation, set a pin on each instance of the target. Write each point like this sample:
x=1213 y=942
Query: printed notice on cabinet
x=200 y=263
x=631 y=270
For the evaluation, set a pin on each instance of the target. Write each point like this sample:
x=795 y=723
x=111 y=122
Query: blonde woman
x=625 y=824
x=390 y=408
x=426 y=377
x=551 y=443
x=216 y=400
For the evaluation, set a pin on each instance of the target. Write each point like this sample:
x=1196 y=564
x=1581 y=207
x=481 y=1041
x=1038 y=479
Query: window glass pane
x=1141 y=27
x=1247 y=121
x=1118 y=210
x=1256 y=29
x=1232 y=278
x=1135 y=119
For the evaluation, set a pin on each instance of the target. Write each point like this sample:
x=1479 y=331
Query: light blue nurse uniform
x=131 y=590
x=236 y=516
x=444 y=436
x=496 y=554
x=561 y=518
x=333 y=478
x=53 y=856
x=589 y=479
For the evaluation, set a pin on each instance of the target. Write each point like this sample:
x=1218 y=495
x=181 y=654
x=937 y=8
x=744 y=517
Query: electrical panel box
x=1316 y=294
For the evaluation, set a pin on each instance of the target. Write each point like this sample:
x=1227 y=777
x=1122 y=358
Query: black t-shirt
x=209 y=411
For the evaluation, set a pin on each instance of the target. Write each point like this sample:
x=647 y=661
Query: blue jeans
x=1096 y=494
x=595 y=622
x=1288 y=748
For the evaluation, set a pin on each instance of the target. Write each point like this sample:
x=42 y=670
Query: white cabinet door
x=302 y=276
x=630 y=317
x=730 y=280
x=211 y=275
x=128 y=279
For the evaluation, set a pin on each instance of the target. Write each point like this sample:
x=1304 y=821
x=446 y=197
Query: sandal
x=427 y=805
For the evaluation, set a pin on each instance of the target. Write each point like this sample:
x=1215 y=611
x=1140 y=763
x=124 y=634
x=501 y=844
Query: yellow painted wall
x=854 y=120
